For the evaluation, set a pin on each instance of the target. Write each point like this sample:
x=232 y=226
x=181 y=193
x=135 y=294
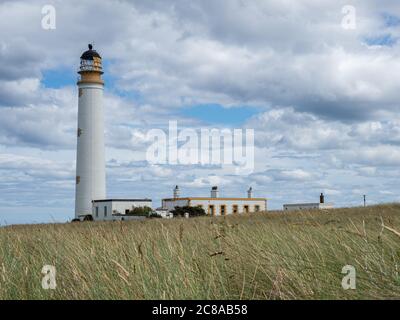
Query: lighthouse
x=90 y=160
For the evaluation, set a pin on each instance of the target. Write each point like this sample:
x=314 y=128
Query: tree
x=140 y=211
x=193 y=211
x=155 y=215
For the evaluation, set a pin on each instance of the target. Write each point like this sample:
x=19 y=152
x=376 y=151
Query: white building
x=90 y=161
x=216 y=206
x=164 y=213
x=117 y=209
x=309 y=206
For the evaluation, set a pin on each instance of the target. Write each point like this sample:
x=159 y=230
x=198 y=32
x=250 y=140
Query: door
x=211 y=210
x=223 y=210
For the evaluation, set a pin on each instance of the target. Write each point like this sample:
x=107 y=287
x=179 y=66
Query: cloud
x=382 y=155
x=235 y=53
x=268 y=53
x=45 y=120
x=300 y=132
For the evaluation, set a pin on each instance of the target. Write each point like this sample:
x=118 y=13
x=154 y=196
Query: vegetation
x=192 y=211
x=155 y=215
x=140 y=211
x=257 y=256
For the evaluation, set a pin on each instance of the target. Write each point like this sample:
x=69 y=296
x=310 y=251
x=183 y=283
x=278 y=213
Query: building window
x=235 y=209
x=257 y=208
x=211 y=210
x=97 y=212
x=105 y=211
x=246 y=209
x=223 y=210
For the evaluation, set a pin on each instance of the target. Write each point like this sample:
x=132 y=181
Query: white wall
x=307 y=206
x=205 y=203
x=118 y=206
x=323 y=206
x=165 y=214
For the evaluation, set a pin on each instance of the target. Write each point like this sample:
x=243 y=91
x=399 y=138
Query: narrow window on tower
x=79 y=132
x=78 y=179
x=80 y=92
x=105 y=211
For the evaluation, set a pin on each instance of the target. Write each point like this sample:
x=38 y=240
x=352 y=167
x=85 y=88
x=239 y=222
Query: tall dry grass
x=257 y=256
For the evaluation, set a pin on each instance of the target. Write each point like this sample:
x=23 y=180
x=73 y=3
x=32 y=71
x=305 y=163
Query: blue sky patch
x=391 y=20
x=59 y=78
x=383 y=40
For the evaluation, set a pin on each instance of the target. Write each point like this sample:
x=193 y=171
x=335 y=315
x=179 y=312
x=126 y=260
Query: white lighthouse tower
x=90 y=164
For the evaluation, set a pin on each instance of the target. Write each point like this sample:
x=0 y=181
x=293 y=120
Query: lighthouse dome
x=90 y=54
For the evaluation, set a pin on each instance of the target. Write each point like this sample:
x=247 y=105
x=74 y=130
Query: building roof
x=90 y=54
x=210 y=198
x=123 y=200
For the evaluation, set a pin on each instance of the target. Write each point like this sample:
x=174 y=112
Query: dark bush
x=140 y=211
x=193 y=211
x=155 y=215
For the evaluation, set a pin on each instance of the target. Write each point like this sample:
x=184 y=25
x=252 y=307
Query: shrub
x=140 y=211
x=193 y=211
x=155 y=215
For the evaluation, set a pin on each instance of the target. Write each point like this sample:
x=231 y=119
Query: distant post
x=365 y=202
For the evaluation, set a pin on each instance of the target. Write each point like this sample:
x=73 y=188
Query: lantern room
x=91 y=67
x=91 y=61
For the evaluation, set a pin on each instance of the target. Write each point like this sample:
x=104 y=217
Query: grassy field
x=259 y=256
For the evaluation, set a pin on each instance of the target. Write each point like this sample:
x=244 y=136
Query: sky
x=322 y=98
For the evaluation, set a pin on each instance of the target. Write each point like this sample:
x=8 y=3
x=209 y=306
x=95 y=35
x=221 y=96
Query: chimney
x=250 y=193
x=177 y=192
x=214 y=192
x=322 y=198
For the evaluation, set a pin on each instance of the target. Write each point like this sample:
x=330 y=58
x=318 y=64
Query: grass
x=270 y=255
